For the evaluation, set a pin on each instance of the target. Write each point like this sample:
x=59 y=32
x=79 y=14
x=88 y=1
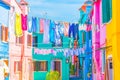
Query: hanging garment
x=71 y=43
x=46 y=32
x=58 y=41
x=73 y=60
x=34 y=25
x=37 y=25
x=106 y=11
x=83 y=17
x=29 y=26
x=18 y=27
x=88 y=28
x=82 y=27
x=71 y=30
x=75 y=44
x=11 y=21
x=52 y=31
x=83 y=8
x=42 y=24
x=24 y=22
x=61 y=29
x=76 y=31
x=66 y=28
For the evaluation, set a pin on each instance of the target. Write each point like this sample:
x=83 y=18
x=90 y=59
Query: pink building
x=98 y=41
x=20 y=49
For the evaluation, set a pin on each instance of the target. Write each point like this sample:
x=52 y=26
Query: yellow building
x=113 y=43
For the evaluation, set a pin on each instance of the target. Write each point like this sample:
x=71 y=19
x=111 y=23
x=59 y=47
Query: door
x=56 y=66
x=110 y=69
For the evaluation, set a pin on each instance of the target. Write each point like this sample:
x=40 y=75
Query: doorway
x=57 y=66
x=109 y=69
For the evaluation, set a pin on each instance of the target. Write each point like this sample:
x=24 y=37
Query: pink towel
x=42 y=25
x=24 y=22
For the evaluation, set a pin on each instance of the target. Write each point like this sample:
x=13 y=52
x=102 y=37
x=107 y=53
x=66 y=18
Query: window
x=57 y=66
x=19 y=40
x=106 y=10
x=83 y=37
x=29 y=40
x=35 y=41
x=4 y=34
x=40 y=65
x=17 y=66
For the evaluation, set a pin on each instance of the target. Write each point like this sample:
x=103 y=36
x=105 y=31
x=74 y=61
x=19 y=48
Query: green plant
x=53 y=75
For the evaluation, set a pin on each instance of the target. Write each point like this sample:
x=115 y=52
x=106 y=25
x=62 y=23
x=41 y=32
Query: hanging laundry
x=88 y=28
x=24 y=22
x=34 y=25
x=38 y=25
x=46 y=31
x=11 y=20
x=71 y=30
x=52 y=31
x=71 y=42
x=66 y=28
x=65 y=53
x=58 y=41
x=106 y=11
x=29 y=26
x=75 y=59
x=82 y=27
x=72 y=60
x=83 y=17
x=88 y=9
x=76 y=31
x=75 y=44
x=83 y=8
x=61 y=29
x=18 y=27
x=42 y=24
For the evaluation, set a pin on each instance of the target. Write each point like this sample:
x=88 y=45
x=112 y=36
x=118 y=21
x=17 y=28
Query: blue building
x=4 y=23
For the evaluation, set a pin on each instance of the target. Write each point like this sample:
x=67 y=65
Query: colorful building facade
x=20 y=46
x=4 y=44
x=48 y=60
x=113 y=42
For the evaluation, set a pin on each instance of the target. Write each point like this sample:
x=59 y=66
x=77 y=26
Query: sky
x=58 y=10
